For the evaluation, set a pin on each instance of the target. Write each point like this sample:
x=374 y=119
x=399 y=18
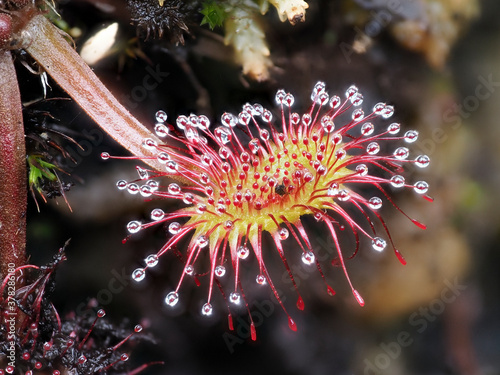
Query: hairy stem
x=66 y=67
x=13 y=196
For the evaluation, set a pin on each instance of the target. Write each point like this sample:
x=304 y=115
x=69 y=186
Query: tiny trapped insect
x=280 y=189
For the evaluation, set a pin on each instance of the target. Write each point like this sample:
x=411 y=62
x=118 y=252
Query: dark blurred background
x=439 y=314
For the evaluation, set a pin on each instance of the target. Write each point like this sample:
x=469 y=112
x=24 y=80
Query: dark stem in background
x=13 y=185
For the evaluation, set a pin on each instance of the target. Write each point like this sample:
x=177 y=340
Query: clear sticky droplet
x=161 y=116
x=188 y=198
x=133 y=188
x=202 y=241
x=191 y=134
x=340 y=154
x=171 y=166
x=411 y=136
x=357 y=99
x=143 y=173
x=151 y=260
x=362 y=169
x=388 y=111
x=367 y=129
x=121 y=184
x=174 y=189
x=224 y=152
x=401 y=153
x=373 y=148
x=105 y=156
x=204 y=178
x=343 y=195
x=174 y=227
x=206 y=160
x=260 y=279
x=149 y=144
x=358 y=114
x=207 y=309
x=157 y=214
x=139 y=274
x=228 y=119
x=308 y=258
x=101 y=313
x=397 y=181
x=254 y=145
x=243 y=252
x=422 y=161
x=244 y=118
x=134 y=226
x=283 y=233
x=280 y=96
x=257 y=109
x=181 y=122
x=267 y=116
x=189 y=270
x=322 y=98
x=378 y=108
x=161 y=130
x=375 y=203
x=234 y=297
x=220 y=271
x=163 y=157
x=145 y=191
x=421 y=187
x=333 y=190
x=318 y=88
x=223 y=135
x=378 y=243
x=264 y=134
x=171 y=299
x=335 y=101
x=351 y=91
x=394 y=128
x=154 y=185
x=203 y=122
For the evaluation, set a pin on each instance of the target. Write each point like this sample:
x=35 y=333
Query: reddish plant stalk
x=13 y=199
x=47 y=46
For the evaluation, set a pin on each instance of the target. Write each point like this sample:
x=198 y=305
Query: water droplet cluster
x=251 y=175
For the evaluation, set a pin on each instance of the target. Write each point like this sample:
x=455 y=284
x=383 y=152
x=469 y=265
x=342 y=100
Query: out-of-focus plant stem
x=57 y=57
x=13 y=189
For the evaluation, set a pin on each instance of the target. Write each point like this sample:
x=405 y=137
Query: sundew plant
x=257 y=173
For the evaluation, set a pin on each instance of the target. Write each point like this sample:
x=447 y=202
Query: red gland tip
x=292 y=324
x=428 y=198
x=253 y=332
x=419 y=224
x=300 y=303
x=358 y=297
x=400 y=257
x=330 y=290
